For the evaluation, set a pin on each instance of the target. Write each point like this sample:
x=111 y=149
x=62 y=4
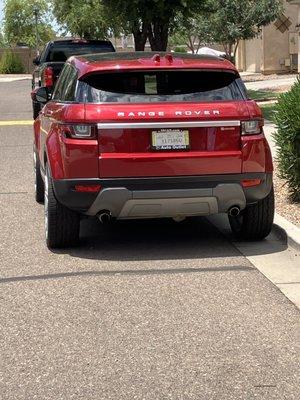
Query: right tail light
x=252 y=127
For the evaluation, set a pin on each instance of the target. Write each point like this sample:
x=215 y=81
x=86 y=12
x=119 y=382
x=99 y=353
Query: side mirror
x=36 y=61
x=42 y=95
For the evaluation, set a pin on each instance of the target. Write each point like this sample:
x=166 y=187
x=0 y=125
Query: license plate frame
x=170 y=140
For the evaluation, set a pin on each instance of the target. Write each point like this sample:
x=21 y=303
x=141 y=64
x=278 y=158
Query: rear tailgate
x=155 y=140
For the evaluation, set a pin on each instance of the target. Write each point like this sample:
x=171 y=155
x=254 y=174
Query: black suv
x=52 y=59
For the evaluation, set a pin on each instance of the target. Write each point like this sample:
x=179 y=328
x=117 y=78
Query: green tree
x=2 y=41
x=153 y=19
x=19 y=22
x=230 y=22
x=194 y=32
x=86 y=19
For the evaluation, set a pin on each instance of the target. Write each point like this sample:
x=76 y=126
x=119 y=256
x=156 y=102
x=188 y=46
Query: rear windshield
x=61 y=52
x=161 y=86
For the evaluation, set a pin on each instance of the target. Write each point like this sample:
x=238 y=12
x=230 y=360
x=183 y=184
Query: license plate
x=170 y=139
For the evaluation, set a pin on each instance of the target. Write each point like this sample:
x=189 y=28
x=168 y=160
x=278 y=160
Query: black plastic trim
x=65 y=188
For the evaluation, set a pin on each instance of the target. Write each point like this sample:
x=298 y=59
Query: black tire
x=38 y=180
x=61 y=224
x=255 y=222
x=36 y=108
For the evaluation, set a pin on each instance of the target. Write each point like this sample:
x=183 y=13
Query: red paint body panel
x=68 y=158
x=256 y=154
x=55 y=154
x=128 y=152
x=169 y=164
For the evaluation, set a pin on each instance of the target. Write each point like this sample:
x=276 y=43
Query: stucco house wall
x=273 y=51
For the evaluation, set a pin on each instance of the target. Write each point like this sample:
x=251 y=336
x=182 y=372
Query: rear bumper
x=163 y=197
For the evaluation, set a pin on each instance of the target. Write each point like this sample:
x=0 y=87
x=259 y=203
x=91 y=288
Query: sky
x=1 y=15
x=1 y=11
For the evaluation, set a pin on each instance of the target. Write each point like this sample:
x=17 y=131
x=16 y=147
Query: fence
x=26 y=55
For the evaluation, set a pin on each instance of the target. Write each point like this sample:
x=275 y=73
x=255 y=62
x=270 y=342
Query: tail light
x=252 y=127
x=48 y=77
x=79 y=131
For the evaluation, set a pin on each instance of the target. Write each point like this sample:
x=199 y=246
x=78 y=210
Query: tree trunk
x=158 y=34
x=190 y=44
x=140 y=36
x=235 y=51
x=228 y=47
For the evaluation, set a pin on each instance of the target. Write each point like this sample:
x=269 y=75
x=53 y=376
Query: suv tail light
x=252 y=127
x=48 y=77
x=80 y=131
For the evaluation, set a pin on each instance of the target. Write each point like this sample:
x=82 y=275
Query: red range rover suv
x=145 y=135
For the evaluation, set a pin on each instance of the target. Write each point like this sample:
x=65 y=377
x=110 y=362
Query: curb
x=287 y=231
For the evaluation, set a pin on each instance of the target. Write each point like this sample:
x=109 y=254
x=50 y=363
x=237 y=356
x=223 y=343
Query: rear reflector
x=88 y=188
x=251 y=182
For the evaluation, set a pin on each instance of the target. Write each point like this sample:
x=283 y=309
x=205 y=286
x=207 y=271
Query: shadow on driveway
x=194 y=238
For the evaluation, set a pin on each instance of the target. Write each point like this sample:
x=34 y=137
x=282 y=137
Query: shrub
x=180 y=49
x=287 y=138
x=11 y=63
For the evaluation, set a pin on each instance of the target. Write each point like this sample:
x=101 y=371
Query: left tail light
x=79 y=131
x=252 y=127
x=48 y=77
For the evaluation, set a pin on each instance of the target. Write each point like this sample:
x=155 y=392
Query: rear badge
x=170 y=139
x=223 y=128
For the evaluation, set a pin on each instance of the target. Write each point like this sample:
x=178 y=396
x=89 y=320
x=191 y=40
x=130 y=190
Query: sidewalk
x=272 y=83
x=14 y=77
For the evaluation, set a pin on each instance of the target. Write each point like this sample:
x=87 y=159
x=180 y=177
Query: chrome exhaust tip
x=234 y=211
x=104 y=217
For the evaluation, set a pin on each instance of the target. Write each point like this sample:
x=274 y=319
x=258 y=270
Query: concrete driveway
x=153 y=310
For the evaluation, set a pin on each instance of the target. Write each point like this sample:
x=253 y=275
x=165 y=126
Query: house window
x=282 y=23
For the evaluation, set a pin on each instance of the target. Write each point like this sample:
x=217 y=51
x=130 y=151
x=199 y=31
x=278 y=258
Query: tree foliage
x=86 y=19
x=194 y=32
x=235 y=20
x=2 y=41
x=145 y=19
x=229 y=22
x=153 y=19
x=19 y=22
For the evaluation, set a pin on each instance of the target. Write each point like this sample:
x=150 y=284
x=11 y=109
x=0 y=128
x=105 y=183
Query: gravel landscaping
x=284 y=207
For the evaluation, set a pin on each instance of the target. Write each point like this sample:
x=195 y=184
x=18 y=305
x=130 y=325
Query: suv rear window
x=162 y=86
x=60 y=52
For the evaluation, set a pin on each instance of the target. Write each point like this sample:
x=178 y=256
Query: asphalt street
x=141 y=310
